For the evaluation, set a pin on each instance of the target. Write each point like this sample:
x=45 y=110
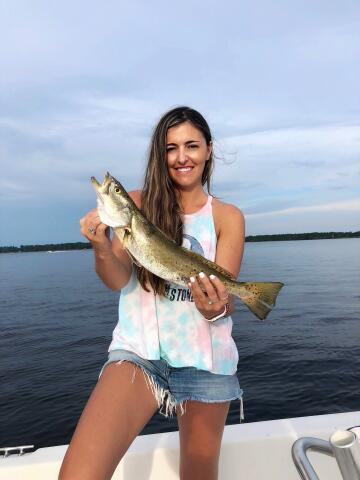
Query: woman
x=172 y=348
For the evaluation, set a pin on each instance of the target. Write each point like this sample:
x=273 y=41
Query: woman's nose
x=182 y=155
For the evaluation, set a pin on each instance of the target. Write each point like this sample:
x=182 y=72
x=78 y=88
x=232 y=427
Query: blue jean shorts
x=173 y=386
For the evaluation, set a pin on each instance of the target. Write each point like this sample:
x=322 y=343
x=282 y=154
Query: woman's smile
x=184 y=170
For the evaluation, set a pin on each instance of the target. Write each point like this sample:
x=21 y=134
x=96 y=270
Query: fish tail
x=259 y=297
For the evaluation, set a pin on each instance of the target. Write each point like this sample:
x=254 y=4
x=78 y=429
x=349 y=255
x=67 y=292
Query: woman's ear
x=209 y=149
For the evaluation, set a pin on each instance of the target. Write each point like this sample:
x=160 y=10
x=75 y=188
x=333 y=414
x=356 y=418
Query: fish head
x=114 y=203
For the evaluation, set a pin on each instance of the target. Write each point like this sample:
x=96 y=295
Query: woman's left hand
x=209 y=293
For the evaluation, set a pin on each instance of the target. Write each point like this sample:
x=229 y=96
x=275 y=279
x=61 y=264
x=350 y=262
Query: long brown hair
x=159 y=203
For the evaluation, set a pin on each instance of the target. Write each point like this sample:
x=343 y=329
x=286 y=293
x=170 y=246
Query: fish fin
x=259 y=297
x=209 y=263
x=124 y=233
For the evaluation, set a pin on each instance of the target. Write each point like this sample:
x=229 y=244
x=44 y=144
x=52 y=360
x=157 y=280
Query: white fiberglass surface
x=254 y=451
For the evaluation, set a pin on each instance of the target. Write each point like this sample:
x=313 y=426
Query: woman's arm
x=230 y=243
x=112 y=263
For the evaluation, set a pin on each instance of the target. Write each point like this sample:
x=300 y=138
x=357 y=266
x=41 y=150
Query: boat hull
x=254 y=450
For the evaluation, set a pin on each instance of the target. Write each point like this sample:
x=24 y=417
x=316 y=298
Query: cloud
x=294 y=160
x=83 y=85
x=350 y=205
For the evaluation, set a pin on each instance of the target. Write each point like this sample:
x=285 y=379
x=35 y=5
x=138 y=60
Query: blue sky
x=83 y=83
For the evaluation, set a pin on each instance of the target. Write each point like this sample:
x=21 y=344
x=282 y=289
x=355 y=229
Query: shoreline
x=283 y=237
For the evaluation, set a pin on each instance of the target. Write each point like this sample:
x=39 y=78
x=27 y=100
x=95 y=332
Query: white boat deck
x=254 y=451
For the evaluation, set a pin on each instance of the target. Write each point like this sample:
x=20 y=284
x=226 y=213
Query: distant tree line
x=250 y=238
x=47 y=247
x=301 y=236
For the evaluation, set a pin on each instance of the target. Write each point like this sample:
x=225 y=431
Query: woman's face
x=187 y=153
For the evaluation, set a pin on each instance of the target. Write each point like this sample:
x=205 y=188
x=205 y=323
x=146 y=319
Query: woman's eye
x=193 y=146
x=169 y=149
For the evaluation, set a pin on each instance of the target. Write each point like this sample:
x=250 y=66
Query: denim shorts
x=173 y=386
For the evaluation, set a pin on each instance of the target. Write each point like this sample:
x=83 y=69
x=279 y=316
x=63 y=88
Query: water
x=57 y=319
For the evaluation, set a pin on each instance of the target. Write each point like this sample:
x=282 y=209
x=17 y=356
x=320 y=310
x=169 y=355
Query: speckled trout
x=148 y=246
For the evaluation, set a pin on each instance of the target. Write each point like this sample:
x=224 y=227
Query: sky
x=83 y=84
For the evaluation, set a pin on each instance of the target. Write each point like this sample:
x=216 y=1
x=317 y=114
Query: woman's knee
x=200 y=466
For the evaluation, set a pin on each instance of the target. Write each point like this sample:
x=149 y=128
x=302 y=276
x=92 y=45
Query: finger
x=92 y=223
x=95 y=222
x=221 y=290
x=209 y=288
x=88 y=230
x=101 y=230
x=98 y=235
x=85 y=229
x=201 y=299
x=196 y=291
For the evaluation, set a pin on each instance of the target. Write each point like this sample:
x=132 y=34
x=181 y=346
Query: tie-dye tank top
x=171 y=327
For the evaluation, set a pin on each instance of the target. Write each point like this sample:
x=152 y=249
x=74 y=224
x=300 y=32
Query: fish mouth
x=102 y=188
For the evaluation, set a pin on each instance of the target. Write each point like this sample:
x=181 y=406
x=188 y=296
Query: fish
x=151 y=248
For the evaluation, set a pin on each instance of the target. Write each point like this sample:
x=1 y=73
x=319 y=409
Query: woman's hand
x=210 y=295
x=95 y=231
x=112 y=263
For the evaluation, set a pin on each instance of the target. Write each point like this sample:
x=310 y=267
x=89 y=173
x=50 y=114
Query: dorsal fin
x=209 y=263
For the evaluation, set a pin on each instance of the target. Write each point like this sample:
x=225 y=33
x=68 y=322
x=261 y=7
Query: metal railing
x=344 y=446
x=13 y=450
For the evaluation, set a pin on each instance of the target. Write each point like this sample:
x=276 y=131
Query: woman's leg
x=201 y=428
x=114 y=415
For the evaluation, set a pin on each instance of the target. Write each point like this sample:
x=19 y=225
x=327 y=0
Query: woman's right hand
x=112 y=263
x=95 y=231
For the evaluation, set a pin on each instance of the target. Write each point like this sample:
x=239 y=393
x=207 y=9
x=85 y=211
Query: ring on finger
x=91 y=229
x=210 y=302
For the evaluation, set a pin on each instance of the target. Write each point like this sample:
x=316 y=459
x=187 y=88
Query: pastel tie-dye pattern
x=157 y=327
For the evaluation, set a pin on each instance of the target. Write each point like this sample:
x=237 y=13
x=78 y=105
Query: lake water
x=57 y=319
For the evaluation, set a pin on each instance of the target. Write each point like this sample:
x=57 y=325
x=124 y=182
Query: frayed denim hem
x=165 y=400
x=198 y=399
x=167 y=403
